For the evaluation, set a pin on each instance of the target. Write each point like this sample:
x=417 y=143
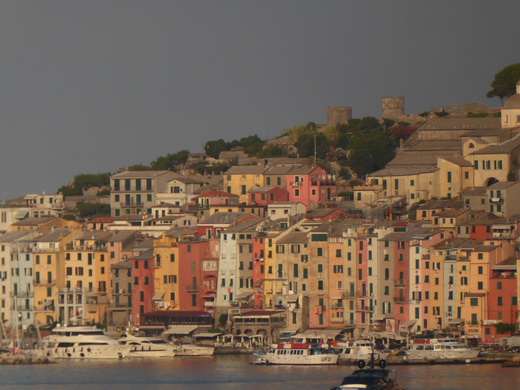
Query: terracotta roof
x=102 y=220
x=245 y=170
x=504 y=147
x=460 y=123
x=215 y=193
x=141 y=174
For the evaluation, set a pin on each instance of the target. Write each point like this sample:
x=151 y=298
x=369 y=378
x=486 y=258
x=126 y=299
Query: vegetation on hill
x=85 y=181
x=504 y=83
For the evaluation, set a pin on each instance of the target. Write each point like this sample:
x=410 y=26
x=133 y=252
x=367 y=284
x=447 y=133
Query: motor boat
x=194 y=350
x=354 y=351
x=369 y=379
x=143 y=346
x=441 y=348
x=82 y=342
x=298 y=354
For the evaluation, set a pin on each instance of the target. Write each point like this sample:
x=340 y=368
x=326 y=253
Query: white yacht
x=298 y=354
x=357 y=350
x=194 y=350
x=82 y=342
x=440 y=349
x=147 y=346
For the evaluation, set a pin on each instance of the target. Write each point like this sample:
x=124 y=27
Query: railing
x=24 y=294
x=192 y=288
x=131 y=204
x=399 y=282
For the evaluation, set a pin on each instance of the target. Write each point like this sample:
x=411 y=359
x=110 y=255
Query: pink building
x=309 y=185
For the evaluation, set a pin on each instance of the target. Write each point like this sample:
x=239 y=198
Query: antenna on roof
x=315 y=160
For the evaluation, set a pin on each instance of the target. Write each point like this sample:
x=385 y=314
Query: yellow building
x=49 y=258
x=166 y=252
x=239 y=179
x=86 y=291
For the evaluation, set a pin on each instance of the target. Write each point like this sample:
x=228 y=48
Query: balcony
x=192 y=289
x=399 y=300
x=132 y=204
x=24 y=294
x=398 y=282
x=336 y=306
x=496 y=200
x=336 y=320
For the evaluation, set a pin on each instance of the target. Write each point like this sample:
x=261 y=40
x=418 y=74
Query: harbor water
x=236 y=373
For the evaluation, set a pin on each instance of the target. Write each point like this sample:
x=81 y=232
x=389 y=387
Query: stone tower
x=393 y=107
x=338 y=115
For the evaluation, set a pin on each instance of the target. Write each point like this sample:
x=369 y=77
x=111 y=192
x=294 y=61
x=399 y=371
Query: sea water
x=237 y=372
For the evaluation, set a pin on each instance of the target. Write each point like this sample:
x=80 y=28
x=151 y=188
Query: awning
x=21 y=214
x=329 y=333
x=206 y=335
x=181 y=329
x=158 y=295
x=407 y=324
x=456 y=321
x=244 y=296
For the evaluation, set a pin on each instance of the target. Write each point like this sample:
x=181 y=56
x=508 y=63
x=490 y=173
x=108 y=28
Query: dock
x=481 y=360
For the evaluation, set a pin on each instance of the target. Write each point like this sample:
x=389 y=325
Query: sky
x=94 y=86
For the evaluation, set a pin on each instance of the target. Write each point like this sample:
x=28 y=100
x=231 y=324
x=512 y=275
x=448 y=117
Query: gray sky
x=93 y=86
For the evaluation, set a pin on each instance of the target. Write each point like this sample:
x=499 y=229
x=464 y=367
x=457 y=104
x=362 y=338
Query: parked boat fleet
x=306 y=352
x=87 y=342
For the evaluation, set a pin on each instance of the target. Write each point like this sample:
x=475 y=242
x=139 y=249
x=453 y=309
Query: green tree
x=70 y=191
x=370 y=152
x=306 y=143
x=92 y=180
x=213 y=148
x=90 y=210
x=504 y=83
x=170 y=161
x=273 y=151
x=252 y=145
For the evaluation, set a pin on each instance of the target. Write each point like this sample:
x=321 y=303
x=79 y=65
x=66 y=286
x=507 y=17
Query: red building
x=263 y=196
x=327 y=214
x=362 y=293
x=198 y=272
x=502 y=301
x=143 y=287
